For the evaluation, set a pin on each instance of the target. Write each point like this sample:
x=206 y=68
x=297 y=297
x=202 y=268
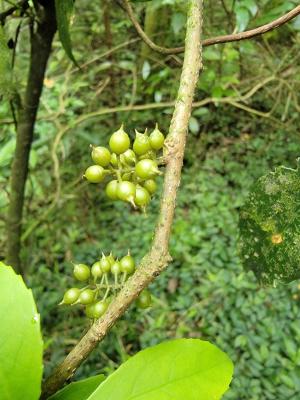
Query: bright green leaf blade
x=183 y=369
x=64 y=12
x=242 y=18
x=80 y=390
x=21 y=343
x=269 y=242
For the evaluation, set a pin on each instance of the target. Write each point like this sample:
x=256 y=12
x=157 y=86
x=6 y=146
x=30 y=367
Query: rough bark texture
x=158 y=257
x=41 y=40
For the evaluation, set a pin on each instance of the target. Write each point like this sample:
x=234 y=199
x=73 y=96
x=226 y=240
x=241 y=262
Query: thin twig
x=216 y=40
x=158 y=257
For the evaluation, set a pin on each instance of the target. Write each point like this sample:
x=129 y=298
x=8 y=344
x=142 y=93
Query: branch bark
x=216 y=40
x=41 y=41
x=156 y=260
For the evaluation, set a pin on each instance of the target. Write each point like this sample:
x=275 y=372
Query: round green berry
x=114 y=160
x=111 y=190
x=81 y=272
x=96 y=270
x=86 y=296
x=150 y=185
x=105 y=264
x=141 y=144
x=119 y=141
x=142 y=196
x=94 y=174
x=156 y=139
x=90 y=310
x=127 y=264
x=128 y=157
x=116 y=268
x=126 y=191
x=71 y=296
x=101 y=156
x=99 y=308
x=144 y=299
x=146 y=169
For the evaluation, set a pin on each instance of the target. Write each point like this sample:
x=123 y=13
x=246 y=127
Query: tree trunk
x=41 y=41
x=156 y=19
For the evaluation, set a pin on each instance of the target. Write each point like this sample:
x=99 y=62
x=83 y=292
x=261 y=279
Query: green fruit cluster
x=102 y=282
x=133 y=170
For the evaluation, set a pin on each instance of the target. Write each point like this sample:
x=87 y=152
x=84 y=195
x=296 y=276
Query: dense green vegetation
x=246 y=124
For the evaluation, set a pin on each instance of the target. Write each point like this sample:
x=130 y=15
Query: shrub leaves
x=269 y=224
x=20 y=339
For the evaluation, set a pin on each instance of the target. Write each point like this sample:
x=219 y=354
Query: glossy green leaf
x=21 y=342
x=178 y=22
x=146 y=70
x=80 y=390
x=242 y=18
x=183 y=369
x=64 y=12
x=269 y=241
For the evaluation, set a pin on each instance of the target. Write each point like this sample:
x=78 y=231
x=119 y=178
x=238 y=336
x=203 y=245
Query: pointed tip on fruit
x=131 y=201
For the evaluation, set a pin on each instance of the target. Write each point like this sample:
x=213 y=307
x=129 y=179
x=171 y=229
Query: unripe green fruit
x=99 y=308
x=96 y=270
x=144 y=299
x=105 y=265
x=146 y=169
x=116 y=268
x=126 y=191
x=110 y=258
x=150 y=185
x=90 y=310
x=81 y=272
x=71 y=296
x=141 y=144
x=128 y=157
x=94 y=174
x=156 y=139
x=86 y=296
x=114 y=160
x=142 y=196
x=111 y=190
x=127 y=264
x=101 y=156
x=119 y=141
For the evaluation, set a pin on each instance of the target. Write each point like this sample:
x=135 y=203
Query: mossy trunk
x=41 y=41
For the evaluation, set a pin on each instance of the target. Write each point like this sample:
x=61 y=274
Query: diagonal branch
x=23 y=5
x=216 y=40
x=158 y=256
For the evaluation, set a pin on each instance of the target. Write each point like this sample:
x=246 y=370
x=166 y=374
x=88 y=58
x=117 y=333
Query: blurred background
x=245 y=123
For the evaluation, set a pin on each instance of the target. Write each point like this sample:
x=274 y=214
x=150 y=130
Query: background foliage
x=246 y=124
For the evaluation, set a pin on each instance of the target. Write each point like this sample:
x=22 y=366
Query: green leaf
x=64 y=12
x=178 y=369
x=178 y=22
x=21 y=341
x=146 y=70
x=269 y=242
x=194 y=125
x=251 y=6
x=242 y=18
x=80 y=390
